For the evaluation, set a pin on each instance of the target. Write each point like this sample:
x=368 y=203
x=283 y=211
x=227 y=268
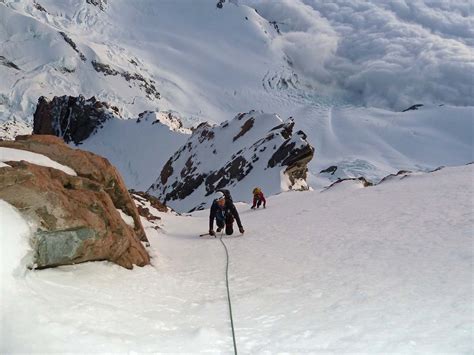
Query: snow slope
x=374 y=142
x=188 y=49
x=138 y=148
x=384 y=269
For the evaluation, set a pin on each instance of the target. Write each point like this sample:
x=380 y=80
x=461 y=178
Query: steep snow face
x=130 y=55
x=379 y=270
x=207 y=62
x=139 y=147
x=57 y=49
x=253 y=149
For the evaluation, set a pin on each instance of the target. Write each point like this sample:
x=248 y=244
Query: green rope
x=228 y=294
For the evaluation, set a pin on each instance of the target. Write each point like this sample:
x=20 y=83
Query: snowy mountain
x=343 y=70
x=138 y=147
x=384 y=269
x=380 y=91
x=210 y=63
x=253 y=149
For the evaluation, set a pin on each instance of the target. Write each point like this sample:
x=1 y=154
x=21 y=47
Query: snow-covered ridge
x=10 y=154
x=138 y=147
x=253 y=149
x=373 y=143
x=128 y=55
x=165 y=118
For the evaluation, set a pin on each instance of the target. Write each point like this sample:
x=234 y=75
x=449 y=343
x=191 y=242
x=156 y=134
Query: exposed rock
x=148 y=85
x=101 y=4
x=73 y=45
x=167 y=171
x=440 y=167
x=148 y=206
x=245 y=128
x=362 y=180
x=72 y=118
x=167 y=118
x=39 y=7
x=275 y=26
x=104 y=68
x=8 y=63
x=77 y=218
x=220 y=3
x=87 y=165
x=223 y=157
x=401 y=174
x=331 y=170
x=10 y=129
x=413 y=108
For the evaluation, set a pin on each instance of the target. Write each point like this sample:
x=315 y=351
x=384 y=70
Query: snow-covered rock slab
x=253 y=149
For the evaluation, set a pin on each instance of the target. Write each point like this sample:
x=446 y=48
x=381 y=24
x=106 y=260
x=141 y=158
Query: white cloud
x=307 y=39
x=384 y=53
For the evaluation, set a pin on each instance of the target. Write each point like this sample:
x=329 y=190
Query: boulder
x=80 y=218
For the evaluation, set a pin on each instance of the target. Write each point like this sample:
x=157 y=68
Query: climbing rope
x=228 y=293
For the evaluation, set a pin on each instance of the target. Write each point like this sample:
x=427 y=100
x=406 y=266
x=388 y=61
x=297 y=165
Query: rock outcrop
x=137 y=147
x=149 y=207
x=413 y=107
x=253 y=149
x=80 y=218
x=360 y=181
x=72 y=118
x=101 y=4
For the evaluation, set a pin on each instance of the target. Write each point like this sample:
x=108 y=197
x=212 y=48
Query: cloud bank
x=379 y=53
